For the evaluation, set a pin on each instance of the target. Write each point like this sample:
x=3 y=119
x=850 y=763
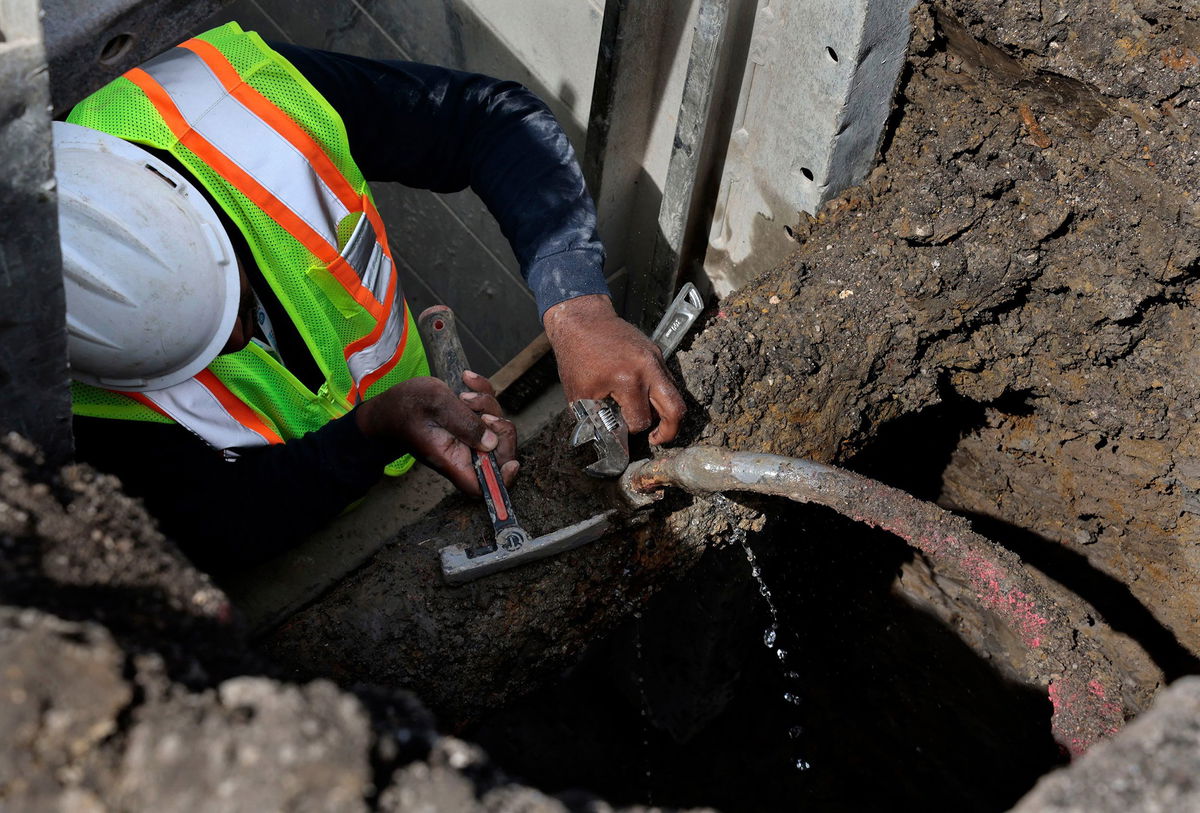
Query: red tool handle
x=439 y=332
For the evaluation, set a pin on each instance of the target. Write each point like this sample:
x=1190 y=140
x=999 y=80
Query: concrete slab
x=34 y=399
x=91 y=42
x=815 y=97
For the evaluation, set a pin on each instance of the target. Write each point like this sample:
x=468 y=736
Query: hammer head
x=461 y=565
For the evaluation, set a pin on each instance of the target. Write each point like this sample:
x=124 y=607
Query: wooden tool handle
x=439 y=332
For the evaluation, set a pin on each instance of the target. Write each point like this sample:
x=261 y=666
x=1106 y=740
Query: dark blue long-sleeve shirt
x=443 y=130
x=425 y=127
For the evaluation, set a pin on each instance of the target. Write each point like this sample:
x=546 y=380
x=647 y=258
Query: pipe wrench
x=600 y=421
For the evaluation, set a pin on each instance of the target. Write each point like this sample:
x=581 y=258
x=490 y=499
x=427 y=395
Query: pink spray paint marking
x=1082 y=716
x=988 y=580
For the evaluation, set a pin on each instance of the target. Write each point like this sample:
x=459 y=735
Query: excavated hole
x=895 y=710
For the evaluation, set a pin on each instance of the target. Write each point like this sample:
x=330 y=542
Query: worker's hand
x=422 y=417
x=601 y=355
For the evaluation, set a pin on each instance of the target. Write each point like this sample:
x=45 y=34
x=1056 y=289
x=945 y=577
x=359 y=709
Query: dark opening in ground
x=894 y=710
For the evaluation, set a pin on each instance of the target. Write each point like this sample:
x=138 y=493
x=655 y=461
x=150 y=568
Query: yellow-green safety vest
x=275 y=157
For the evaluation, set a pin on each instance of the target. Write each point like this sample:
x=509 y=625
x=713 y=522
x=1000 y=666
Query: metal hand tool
x=511 y=544
x=600 y=421
x=439 y=331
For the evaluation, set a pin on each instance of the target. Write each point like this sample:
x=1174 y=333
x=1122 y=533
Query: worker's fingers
x=635 y=405
x=481 y=403
x=506 y=434
x=509 y=472
x=466 y=425
x=478 y=382
x=669 y=405
x=601 y=355
x=423 y=417
x=459 y=470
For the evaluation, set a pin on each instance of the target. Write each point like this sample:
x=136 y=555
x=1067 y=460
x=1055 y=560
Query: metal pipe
x=1086 y=699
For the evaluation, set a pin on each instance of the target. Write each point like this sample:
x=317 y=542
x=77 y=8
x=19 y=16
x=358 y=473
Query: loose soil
x=128 y=684
x=1024 y=266
x=1002 y=318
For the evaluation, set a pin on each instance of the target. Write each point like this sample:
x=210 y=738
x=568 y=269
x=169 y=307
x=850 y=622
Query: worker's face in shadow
x=243 y=327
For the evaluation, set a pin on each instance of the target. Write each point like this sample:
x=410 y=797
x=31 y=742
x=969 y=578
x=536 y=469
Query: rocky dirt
x=1002 y=318
x=126 y=684
x=1151 y=767
x=1026 y=259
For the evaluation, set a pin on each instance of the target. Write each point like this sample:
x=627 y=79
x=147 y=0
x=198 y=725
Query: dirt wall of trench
x=1022 y=267
x=1003 y=317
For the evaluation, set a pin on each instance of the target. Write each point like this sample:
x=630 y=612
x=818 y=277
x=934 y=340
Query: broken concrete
x=1152 y=766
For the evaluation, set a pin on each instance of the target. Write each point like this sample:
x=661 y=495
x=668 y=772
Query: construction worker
x=242 y=355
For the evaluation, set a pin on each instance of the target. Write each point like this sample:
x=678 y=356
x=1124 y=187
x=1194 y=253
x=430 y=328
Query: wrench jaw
x=601 y=423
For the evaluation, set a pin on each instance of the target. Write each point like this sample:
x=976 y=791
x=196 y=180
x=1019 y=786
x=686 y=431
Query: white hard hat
x=151 y=280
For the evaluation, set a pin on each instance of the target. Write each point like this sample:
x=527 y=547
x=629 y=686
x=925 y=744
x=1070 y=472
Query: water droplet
x=637 y=614
x=756 y=572
x=782 y=653
x=795 y=731
x=794 y=699
x=769 y=636
x=792 y=675
x=802 y=765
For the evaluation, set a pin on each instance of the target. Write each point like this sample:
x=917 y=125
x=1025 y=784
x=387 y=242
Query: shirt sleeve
x=444 y=130
x=226 y=514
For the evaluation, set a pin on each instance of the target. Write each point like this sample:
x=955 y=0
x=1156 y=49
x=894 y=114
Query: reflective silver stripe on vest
x=247 y=140
x=365 y=255
x=193 y=406
x=370 y=359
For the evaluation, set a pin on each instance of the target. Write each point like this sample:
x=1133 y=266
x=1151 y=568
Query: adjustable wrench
x=600 y=421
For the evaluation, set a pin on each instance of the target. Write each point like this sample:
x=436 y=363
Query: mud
x=128 y=685
x=1001 y=318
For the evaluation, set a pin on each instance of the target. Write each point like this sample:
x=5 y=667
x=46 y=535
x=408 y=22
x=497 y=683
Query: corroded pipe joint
x=708 y=469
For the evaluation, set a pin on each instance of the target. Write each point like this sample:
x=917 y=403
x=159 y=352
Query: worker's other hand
x=424 y=418
x=601 y=355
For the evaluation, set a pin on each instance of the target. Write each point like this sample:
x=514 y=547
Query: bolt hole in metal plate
x=807 y=173
x=832 y=54
x=116 y=48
